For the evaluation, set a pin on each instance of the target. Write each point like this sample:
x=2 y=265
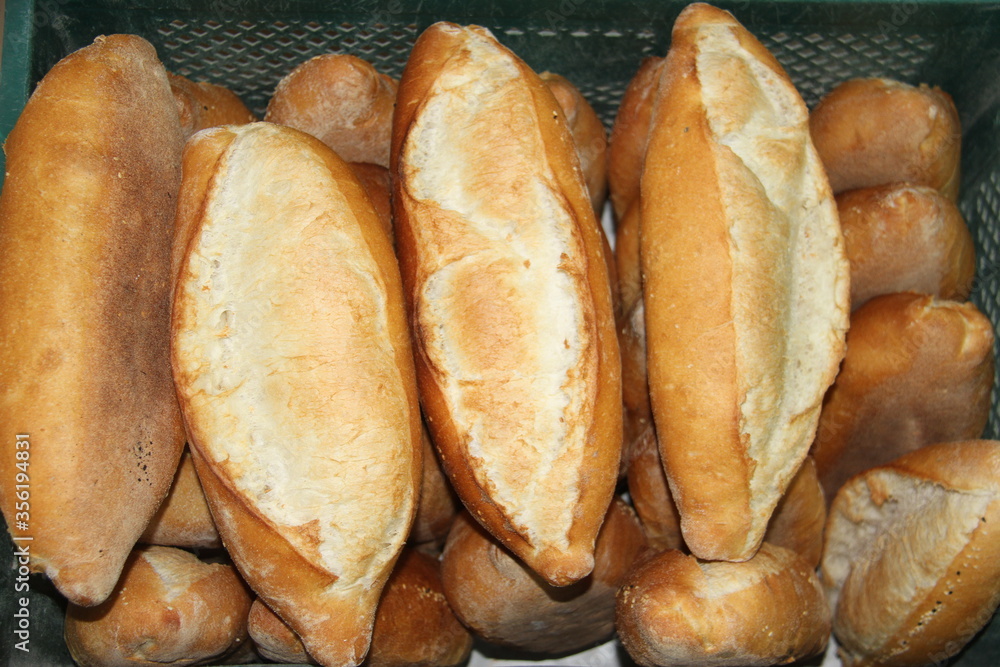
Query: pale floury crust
x=86 y=224
x=911 y=563
x=293 y=366
x=745 y=281
x=509 y=297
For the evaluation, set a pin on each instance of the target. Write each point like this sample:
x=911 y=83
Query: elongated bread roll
x=203 y=105
x=87 y=405
x=745 y=282
x=293 y=367
x=902 y=237
x=912 y=556
x=876 y=131
x=169 y=608
x=343 y=101
x=183 y=519
x=505 y=603
x=674 y=610
x=918 y=370
x=509 y=298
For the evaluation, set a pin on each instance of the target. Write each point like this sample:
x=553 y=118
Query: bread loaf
x=377 y=183
x=745 y=282
x=905 y=238
x=876 y=131
x=183 y=519
x=203 y=105
x=343 y=101
x=294 y=371
x=169 y=608
x=912 y=556
x=86 y=397
x=918 y=370
x=674 y=610
x=503 y=602
x=509 y=298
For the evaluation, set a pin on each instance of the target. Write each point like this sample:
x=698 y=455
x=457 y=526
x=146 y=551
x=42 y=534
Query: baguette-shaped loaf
x=674 y=610
x=745 y=282
x=169 y=608
x=87 y=404
x=918 y=370
x=509 y=298
x=183 y=519
x=294 y=371
x=911 y=563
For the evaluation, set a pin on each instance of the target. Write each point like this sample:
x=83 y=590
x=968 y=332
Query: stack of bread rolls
x=369 y=380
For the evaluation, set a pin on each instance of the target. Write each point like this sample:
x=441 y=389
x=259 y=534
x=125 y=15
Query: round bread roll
x=905 y=238
x=797 y=522
x=183 y=519
x=203 y=105
x=169 y=608
x=341 y=100
x=876 y=131
x=629 y=134
x=414 y=624
x=745 y=281
x=675 y=610
x=505 y=603
x=589 y=136
x=912 y=557
x=918 y=370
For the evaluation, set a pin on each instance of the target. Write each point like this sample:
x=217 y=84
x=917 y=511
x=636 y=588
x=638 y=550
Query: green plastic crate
x=248 y=45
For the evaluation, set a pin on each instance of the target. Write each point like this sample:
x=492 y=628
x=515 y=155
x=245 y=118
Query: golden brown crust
x=319 y=561
x=274 y=639
x=169 y=608
x=876 y=131
x=745 y=285
x=93 y=167
x=589 y=136
x=431 y=245
x=376 y=181
x=905 y=238
x=341 y=100
x=183 y=519
x=438 y=503
x=629 y=134
x=203 y=105
x=917 y=371
x=505 y=603
x=675 y=610
x=912 y=554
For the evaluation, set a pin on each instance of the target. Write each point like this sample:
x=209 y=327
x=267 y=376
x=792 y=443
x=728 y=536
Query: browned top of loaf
x=341 y=100
x=168 y=608
x=918 y=370
x=509 y=297
x=93 y=167
x=745 y=283
x=203 y=105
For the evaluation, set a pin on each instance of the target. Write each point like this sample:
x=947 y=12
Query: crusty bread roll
x=876 y=131
x=796 y=524
x=918 y=370
x=745 y=282
x=414 y=625
x=183 y=520
x=589 y=135
x=203 y=105
x=509 y=298
x=674 y=610
x=294 y=371
x=341 y=100
x=86 y=223
x=377 y=183
x=503 y=602
x=438 y=504
x=169 y=608
x=912 y=556
x=629 y=134
x=905 y=238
